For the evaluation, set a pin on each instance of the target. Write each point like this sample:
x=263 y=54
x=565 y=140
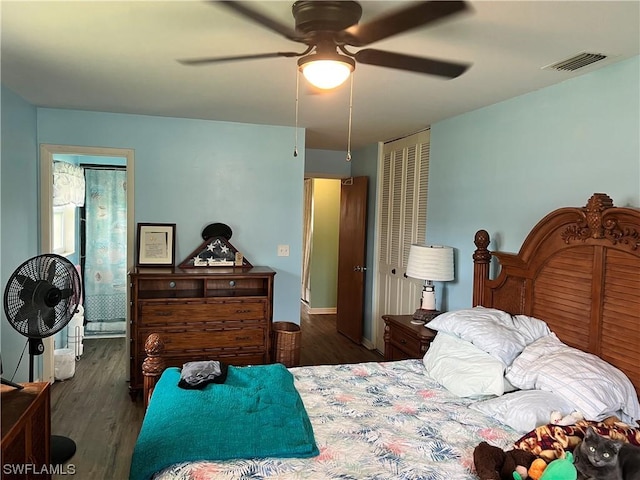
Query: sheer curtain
x=105 y=265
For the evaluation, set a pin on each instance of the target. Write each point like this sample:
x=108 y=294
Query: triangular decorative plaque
x=215 y=252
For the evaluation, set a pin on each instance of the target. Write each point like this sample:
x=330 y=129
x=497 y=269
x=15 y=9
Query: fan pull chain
x=350 y=115
x=295 y=147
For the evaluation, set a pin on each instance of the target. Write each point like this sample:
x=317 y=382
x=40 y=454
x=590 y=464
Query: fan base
x=62 y=449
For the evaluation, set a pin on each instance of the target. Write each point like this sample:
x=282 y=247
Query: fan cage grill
x=27 y=290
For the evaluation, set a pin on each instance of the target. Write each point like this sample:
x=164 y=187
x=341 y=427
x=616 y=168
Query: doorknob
x=358 y=268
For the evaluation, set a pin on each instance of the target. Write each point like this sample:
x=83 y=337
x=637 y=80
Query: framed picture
x=156 y=244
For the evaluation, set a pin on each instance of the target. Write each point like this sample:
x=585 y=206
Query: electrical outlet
x=283 y=250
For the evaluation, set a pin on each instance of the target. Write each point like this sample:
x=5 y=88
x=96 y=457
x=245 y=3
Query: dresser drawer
x=406 y=342
x=207 y=338
x=160 y=314
x=170 y=288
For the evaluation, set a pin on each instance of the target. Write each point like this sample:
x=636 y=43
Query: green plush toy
x=561 y=469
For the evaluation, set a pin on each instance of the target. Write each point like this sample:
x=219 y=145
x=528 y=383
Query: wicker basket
x=285 y=344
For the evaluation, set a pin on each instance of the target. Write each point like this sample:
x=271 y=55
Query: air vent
x=577 y=61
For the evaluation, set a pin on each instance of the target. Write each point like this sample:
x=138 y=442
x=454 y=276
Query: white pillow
x=596 y=388
x=462 y=368
x=524 y=410
x=496 y=332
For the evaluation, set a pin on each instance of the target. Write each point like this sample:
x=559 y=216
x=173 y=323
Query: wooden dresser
x=26 y=432
x=221 y=313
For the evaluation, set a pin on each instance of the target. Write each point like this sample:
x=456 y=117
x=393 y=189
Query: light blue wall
x=19 y=238
x=326 y=164
x=503 y=167
x=196 y=172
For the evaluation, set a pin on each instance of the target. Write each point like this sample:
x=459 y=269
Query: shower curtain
x=105 y=264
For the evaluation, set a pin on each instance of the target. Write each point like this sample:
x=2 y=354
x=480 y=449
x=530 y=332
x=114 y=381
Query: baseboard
x=318 y=311
x=322 y=311
x=366 y=343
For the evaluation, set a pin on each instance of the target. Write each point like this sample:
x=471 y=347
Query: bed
x=572 y=289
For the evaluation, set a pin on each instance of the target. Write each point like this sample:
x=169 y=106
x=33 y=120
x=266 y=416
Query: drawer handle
x=403 y=341
x=163 y=314
x=243 y=338
x=172 y=284
x=232 y=283
x=243 y=311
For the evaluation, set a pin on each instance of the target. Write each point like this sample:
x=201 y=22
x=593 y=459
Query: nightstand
x=403 y=339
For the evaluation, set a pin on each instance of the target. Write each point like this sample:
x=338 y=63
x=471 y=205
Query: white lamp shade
x=326 y=74
x=430 y=262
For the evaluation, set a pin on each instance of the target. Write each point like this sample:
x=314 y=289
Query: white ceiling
x=120 y=56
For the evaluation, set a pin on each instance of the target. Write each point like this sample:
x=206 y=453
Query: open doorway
x=123 y=159
x=103 y=247
x=320 y=245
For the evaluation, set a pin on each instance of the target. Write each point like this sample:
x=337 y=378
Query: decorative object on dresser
x=156 y=244
x=40 y=298
x=404 y=339
x=216 y=250
x=429 y=263
x=26 y=430
x=222 y=313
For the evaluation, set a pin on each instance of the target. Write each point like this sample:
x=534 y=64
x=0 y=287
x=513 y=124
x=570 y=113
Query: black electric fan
x=40 y=298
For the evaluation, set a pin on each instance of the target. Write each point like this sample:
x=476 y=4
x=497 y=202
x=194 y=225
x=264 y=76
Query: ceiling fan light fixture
x=326 y=73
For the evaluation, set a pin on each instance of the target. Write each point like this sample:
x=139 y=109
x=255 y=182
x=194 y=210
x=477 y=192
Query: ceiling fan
x=329 y=28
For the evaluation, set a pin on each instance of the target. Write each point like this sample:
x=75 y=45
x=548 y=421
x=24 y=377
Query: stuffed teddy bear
x=493 y=463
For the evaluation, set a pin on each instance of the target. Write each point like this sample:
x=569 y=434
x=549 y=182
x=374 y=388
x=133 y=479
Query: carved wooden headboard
x=579 y=270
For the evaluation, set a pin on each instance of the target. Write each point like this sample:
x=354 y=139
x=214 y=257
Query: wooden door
x=352 y=257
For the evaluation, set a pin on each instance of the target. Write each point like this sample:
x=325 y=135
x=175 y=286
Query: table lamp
x=429 y=263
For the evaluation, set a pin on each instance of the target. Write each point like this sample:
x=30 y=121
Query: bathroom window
x=64 y=230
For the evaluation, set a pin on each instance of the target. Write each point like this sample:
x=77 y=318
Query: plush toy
x=571 y=419
x=537 y=468
x=493 y=463
x=561 y=469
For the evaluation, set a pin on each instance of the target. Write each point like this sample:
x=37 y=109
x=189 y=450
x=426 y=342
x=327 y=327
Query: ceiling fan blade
x=203 y=61
x=245 y=10
x=416 y=15
x=401 y=61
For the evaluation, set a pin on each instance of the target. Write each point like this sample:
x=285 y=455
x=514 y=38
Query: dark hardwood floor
x=94 y=408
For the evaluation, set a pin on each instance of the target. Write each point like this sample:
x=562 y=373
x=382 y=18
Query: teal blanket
x=256 y=413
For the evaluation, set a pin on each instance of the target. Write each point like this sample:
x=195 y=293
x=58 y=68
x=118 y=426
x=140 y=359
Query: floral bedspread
x=377 y=421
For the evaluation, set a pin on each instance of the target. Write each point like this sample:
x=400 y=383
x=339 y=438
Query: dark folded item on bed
x=256 y=413
x=201 y=374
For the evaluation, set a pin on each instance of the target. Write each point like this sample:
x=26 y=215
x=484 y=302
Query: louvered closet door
x=402 y=210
